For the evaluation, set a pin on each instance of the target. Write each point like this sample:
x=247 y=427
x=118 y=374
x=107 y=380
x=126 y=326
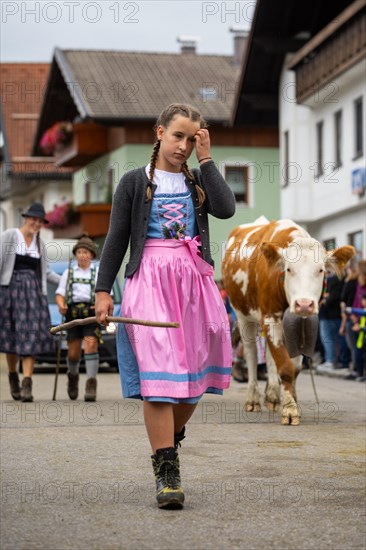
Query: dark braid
x=200 y=192
x=153 y=159
x=164 y=119
x=186 y=171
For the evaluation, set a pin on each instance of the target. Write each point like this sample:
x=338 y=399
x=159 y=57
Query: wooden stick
x=126 y=320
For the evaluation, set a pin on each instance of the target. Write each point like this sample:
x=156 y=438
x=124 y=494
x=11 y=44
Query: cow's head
x=303 y=264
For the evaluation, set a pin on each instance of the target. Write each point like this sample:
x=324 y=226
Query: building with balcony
x=25 y=178
x=304 y=73
x=322 y=131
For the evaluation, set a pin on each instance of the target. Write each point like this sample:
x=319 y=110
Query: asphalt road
x=78 y=475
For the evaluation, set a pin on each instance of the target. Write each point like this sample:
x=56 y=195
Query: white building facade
x=322 y=122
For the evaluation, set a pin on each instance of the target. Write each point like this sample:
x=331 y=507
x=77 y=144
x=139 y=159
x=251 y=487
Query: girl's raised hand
x=202 y=138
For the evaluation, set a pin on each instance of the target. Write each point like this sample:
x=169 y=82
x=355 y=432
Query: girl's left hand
x=202 y=138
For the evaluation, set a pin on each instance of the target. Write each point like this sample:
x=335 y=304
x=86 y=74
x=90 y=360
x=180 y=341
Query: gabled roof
x=113 y=87
x=279 y=27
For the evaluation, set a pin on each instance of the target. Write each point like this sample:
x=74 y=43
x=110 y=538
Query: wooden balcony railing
x=89 y=142
x=88 y=218
x=330 y=53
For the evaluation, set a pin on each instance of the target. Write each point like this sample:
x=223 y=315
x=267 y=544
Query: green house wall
x=264 y=187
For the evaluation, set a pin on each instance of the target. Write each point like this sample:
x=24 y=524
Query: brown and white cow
x=268 y=267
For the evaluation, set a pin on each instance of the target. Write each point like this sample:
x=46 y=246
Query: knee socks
x=73 y=366
x=91 y=364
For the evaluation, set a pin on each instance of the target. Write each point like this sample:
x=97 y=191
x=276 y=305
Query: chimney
x=188 y=44
x=240 y=44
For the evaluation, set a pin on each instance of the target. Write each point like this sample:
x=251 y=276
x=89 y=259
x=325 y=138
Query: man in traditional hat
x=75 y=297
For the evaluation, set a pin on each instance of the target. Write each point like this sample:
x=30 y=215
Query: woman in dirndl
x=25 y=320
x=162 y=210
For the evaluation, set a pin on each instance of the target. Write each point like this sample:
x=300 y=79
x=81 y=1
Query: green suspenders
x=90 y=282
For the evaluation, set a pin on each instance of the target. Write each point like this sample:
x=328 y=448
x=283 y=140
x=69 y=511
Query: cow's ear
x=273 y=254
x=337 y=259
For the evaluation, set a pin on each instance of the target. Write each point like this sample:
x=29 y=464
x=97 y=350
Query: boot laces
x=170 y=473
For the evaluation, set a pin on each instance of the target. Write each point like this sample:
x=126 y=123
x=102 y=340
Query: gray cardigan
x=130 y=217
x=8 y=250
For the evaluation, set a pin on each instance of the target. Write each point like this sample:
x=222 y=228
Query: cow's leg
x=248 y=331
x=290 y=410
x=285 y=368
x=273 y=392
x=297 y=361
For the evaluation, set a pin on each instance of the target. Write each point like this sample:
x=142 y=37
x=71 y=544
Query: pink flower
x=60 y=216
x=59 y=133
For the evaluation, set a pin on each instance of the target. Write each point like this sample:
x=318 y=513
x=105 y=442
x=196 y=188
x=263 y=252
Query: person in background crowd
x=229 y=310
x=352 y=297
x=239 y=369
x=24 y=316
x=75 y=297
x=347 y=297
x=359 y=326
x=334 y=344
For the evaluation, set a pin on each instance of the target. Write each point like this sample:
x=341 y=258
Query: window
x=208 y=92
x=356 y=240
x=87 y=192
x=330 y=244
x=3 y=220
x=237 y=177
x=319 y=147
x=358 y=117
x=338 y=138
x=286 y=159
x=19 y=220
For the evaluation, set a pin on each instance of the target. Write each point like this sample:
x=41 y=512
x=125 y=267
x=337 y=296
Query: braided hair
x=164 y=119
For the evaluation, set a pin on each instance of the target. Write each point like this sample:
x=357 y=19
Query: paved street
x=78 y=475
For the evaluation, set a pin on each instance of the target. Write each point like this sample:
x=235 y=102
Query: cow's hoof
x=290 y=420
x=290 y=411
x=253 y=407
x=272 y=406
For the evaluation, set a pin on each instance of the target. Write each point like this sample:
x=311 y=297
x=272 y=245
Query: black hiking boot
x=90 y=389
x=169 y=492
x=72 y=385
x=14 y=385
x=240 y=370
x=179 y=437
x=26 y=390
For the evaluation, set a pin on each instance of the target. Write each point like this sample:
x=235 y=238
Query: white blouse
x=168 y=182
x=23 y=249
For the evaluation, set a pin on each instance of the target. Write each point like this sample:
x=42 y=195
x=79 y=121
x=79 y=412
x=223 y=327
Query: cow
x=270 y=267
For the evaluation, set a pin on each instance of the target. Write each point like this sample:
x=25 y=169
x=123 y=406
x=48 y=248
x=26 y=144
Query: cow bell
x=300 y=333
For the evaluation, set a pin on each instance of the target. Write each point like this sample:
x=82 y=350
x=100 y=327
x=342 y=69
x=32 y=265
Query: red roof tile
x=22 y=93
x=22 y=87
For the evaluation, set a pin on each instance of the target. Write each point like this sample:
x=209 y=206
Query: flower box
x=89 y=142
x=94 y=218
